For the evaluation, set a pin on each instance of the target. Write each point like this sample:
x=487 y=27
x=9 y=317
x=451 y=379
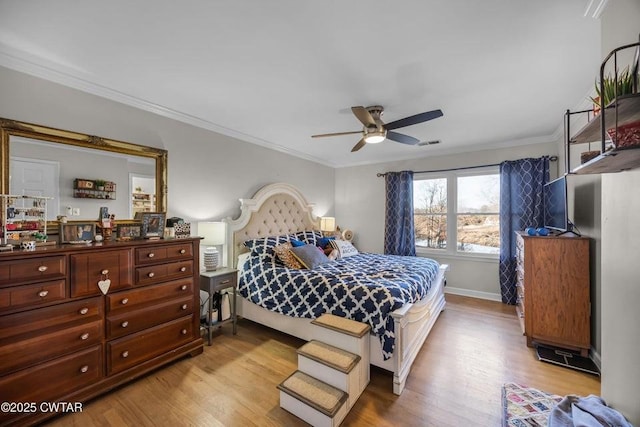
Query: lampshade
x=327 y=223
x=213 y=233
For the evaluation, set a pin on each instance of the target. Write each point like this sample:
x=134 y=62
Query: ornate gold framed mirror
x=74 y=148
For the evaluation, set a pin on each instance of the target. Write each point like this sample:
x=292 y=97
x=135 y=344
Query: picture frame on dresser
x=79 y=232
x=129 y=231
x=152 y=224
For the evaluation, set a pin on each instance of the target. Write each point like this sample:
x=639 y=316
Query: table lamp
x=327 y=224
x=214 y=234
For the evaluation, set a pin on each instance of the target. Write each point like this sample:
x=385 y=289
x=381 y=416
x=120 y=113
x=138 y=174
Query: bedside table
x=216 y=281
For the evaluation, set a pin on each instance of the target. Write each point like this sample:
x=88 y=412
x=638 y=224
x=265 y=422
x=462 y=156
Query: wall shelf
x=623 y=110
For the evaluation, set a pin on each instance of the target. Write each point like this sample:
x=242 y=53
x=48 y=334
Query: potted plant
x=627 y=134
x=624 y=83
x=99 y=183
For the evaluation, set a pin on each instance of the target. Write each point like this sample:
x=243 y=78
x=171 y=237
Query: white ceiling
x=275 y=72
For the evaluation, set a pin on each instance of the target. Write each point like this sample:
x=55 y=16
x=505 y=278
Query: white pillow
x=344 y=247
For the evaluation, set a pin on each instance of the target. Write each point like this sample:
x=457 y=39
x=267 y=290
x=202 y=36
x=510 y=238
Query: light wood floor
x=474 y=347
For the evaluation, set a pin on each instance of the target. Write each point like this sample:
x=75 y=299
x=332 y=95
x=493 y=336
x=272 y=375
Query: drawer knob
x=84 y=369
x=183 y=269
x=182 y=251
x=125 y=354
x=105 y=271
x=184 y=306
x=84 y=310
x=124 y=301
x=43 y=294
x=124 y=324
x=84 y=336
x=183 y=332
x=183 y=287
x=43 y=268
x=151 y=255
x=151 y=274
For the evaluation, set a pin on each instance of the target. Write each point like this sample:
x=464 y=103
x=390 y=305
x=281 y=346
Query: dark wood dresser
x=63 y=340
x=554 y=291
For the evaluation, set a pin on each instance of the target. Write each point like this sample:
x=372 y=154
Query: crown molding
x=18 y=61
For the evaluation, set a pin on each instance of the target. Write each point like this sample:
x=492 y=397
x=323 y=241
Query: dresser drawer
x=18 y=354
x=136 y=320
x=136 y=298
x=133 y=349
x=32 y=269
x=155 y=254
x=57 y=316
x=32 y=295
x=163 y=272
x=52 y=380
x=88 y=269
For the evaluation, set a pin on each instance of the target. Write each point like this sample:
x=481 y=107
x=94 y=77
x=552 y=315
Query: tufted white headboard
x=275 y=209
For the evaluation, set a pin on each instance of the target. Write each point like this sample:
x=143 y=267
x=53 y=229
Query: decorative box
x=182 y=230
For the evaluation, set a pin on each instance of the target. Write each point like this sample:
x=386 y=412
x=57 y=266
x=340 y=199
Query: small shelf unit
x=90 y=189
x=622 y=111
x=23 y=218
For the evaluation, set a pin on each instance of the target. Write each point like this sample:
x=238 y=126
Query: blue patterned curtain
x=399 y=232
x=521 y=206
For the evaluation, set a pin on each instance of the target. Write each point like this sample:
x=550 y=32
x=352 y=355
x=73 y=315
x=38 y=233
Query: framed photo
x=152 y=224
x=128 y=231
x=79 y=232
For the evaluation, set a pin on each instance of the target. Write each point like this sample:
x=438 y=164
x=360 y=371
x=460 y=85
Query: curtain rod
x=551 y=158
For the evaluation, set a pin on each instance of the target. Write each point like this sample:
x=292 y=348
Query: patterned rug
x=526 y=407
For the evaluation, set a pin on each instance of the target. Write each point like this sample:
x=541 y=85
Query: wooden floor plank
x=474 y=347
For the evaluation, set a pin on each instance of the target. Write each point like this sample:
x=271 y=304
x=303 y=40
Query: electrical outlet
x=76 y=211
x=69 y=211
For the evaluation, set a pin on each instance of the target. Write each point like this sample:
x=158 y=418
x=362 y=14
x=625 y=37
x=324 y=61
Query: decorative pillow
x=309 y=256
x=344 y=247
x=265 y=245
x=295 y=242
x=283 y=251
x=324 y=241
x=310 y=236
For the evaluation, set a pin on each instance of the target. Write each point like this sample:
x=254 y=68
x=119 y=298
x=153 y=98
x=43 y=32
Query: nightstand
x=216 y=281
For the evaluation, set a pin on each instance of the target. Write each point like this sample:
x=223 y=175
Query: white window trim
x=452 y=197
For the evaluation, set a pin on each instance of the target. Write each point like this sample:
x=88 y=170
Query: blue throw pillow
x=309 y=256
x=324 y=241
x=295 y=242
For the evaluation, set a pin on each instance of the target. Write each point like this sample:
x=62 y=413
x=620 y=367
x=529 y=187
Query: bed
x=400 y=329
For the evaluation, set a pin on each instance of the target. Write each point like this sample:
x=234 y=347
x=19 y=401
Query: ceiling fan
x=375 y=131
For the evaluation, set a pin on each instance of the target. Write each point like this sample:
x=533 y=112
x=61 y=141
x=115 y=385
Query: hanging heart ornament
x=104 y=285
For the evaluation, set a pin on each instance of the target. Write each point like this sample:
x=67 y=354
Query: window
x=460 y=207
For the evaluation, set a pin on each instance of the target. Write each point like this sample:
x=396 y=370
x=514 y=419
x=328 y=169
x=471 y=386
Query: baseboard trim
x=595 y=356
x=474 y=294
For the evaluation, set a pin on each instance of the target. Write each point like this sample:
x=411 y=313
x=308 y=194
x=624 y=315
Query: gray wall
x=208 y=172
x=360 y=200
x=620 y=249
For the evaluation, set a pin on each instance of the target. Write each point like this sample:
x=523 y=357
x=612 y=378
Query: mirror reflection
x=81 y=180
x=84 y=174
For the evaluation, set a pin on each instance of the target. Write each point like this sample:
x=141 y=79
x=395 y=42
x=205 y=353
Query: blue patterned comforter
x=363 y=287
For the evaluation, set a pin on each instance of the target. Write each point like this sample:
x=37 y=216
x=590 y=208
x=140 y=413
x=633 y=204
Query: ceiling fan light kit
x=375 y=131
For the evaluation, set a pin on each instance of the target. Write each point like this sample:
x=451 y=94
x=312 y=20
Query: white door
x=34 y=177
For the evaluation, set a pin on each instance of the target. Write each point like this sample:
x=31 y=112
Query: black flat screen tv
x=555 y=205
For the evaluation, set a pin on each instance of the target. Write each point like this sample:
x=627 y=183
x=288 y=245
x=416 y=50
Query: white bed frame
x=280 y=208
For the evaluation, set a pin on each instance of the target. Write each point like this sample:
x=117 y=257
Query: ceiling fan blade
x=359 y=145
x=322 y=135
x=364 y=116
x=402 y=138
x=412 y=120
